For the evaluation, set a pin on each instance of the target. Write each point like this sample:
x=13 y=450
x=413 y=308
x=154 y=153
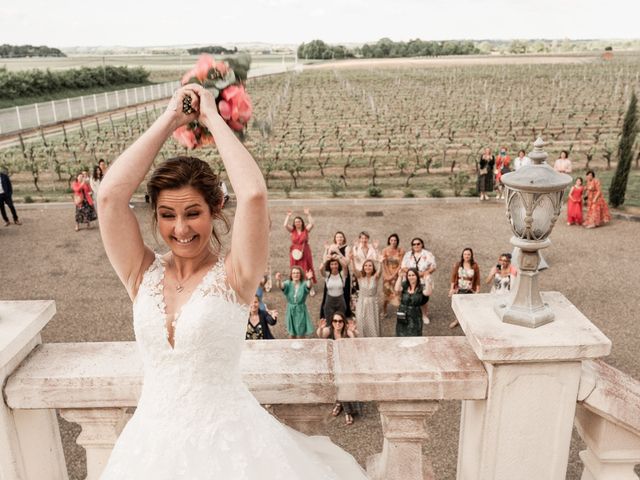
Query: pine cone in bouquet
x=225 y=79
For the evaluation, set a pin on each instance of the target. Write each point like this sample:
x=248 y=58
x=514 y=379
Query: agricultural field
x=163 y=68
x=383 y=128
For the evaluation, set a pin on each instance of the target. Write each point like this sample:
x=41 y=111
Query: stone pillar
x=100 y=430
x=404 y=425
x=612 y=451
x=30 y=444
x=525 y=423
x=307 y=418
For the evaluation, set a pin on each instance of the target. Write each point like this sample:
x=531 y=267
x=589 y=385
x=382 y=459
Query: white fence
x=16 y=119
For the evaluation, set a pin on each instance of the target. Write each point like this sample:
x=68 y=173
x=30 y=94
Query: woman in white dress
x=196 y=419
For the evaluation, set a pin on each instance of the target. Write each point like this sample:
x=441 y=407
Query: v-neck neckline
x=178 y=312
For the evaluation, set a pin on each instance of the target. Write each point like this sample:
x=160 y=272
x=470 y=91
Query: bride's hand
x=174 y=109
x=208 y=108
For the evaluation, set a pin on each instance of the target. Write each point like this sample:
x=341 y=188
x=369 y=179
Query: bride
x=195 y=419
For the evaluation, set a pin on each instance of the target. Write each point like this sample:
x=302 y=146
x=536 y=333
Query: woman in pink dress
x=574 y=203
x=563 y=164
x=299 y=251
x=597 y=209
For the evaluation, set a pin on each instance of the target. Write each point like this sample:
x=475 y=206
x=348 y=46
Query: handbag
x=296 y=254
x=484 y=171
x=401 y=315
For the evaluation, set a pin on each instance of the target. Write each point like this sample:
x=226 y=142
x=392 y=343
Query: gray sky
x=65 y=23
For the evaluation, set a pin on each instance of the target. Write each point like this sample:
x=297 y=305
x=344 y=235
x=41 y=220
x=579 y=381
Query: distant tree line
x=213 y=49
x=17 y=51
x=318 y=50
x=41 y=82
x=386 y=48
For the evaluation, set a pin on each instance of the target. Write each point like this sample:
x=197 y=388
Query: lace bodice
x=196 y=420
x=208 y=330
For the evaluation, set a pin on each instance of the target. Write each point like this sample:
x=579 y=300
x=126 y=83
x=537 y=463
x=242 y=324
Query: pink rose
x=235 y=105
x=222 y=67
x=188 y=76
x=185 y=137
x=205 y=63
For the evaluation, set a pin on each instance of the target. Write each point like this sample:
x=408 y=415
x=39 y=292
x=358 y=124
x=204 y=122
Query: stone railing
x=608 y=420
x=519 y=389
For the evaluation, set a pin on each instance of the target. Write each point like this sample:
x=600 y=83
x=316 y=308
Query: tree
x=625 y=154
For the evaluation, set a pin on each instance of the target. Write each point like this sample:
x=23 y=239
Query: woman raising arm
x=120 y=231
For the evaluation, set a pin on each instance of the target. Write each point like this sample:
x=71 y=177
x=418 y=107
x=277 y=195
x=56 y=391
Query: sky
x=67 y=23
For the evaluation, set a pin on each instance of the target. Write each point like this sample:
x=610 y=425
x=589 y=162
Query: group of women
x=354 y=274
x=491 y=168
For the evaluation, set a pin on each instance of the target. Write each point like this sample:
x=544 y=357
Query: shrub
x=374 y=191
x=471 y=192
x=287 y=190
x=28 y=199
x=435 y=192
x=408 y=193
x=335 y=186
x=457 y=182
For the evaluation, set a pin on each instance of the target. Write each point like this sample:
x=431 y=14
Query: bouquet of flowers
x=225 y=79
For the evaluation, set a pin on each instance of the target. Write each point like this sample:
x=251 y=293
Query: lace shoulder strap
x=152 y=280
x=215 y=283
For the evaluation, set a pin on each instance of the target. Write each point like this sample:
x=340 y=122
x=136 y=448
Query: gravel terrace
x=46 y=259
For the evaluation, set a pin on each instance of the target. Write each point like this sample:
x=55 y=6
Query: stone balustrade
x=608 y=420
x=521 y=390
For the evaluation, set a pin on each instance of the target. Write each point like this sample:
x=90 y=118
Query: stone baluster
x=30 y=445
x=100 y=430
x=306 y=418
x=404 y=426
x=612 y=451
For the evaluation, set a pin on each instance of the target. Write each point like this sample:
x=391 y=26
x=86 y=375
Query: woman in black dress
x=413 y=295
x=485 y=173
x=339 y=250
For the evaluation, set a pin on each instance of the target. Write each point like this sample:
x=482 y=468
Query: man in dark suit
x=6 y=191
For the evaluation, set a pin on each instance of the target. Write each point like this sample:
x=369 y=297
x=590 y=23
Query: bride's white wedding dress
x=196 y=419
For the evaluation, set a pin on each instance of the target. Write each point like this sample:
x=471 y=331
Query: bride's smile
x=184 y=221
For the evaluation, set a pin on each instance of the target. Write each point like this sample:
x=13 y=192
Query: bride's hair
x=192 y=172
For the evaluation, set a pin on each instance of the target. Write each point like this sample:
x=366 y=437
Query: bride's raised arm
x=247 y=259
x=118 y=225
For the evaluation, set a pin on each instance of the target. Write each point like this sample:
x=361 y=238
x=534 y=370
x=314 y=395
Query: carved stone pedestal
x=100 y=430
x=524 y=426
x=404 y=425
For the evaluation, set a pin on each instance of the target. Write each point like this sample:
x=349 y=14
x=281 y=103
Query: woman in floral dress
x=465 y=277
x=597 y=209
x=367 y=311
x=85 y=211
x=391 y=260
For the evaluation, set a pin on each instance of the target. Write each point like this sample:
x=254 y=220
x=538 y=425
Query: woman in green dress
x=412 y=296
x=296 y=290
